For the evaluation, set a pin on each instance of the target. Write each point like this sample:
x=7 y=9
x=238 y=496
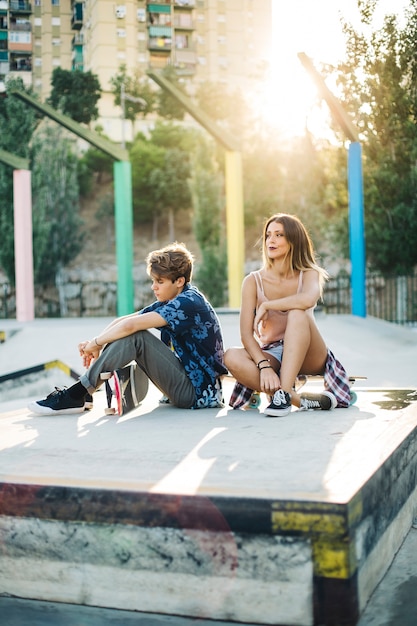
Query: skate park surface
x=214 y=515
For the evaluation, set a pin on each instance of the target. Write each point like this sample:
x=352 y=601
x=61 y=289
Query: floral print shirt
x=194 y=333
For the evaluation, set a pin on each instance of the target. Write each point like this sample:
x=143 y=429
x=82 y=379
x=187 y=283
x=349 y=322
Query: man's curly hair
x=172 y=261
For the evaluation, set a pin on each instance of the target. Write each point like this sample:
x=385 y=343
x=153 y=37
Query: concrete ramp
x=217 y=514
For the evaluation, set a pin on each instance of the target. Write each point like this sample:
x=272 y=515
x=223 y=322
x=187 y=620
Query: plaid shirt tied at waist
x=336 y=381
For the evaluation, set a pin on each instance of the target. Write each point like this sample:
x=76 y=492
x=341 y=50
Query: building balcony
x=160 y=43
x=21 y=63
x=4 y=55
x=77 y=40
x=77 y=16
x=20 y=6
x=186 y=4
x=21 y=27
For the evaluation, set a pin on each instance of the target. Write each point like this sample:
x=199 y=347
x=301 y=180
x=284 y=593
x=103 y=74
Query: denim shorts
x=275 y=349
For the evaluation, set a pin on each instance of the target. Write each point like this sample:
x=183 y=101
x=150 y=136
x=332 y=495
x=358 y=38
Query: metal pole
x=22 y=202
x=357 y=230
x=124 y=236
x=122 y=103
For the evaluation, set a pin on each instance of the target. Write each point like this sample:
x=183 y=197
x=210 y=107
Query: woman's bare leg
x=304 y=351
x=241 y=366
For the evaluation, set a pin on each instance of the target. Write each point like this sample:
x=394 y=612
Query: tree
x=168 y=106
x=76 y=94
x=57 y=227
x=170 y=186
x=140 y=98
x=145 y=157
x=206 y=188
x=17 y=123
x=377 y=81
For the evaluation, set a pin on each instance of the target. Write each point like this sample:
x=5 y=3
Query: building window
x=56 y=62
x=56 y=41
x=37 y=3
x=141 y=15
x=121 y=32
x=142 y=58
x=56 y=21
x=18 y=37
x=37 y=21
x=55 y=3
x=38 y=62
x=141 y=36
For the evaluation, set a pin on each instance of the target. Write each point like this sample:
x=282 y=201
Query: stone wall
x=84 y=293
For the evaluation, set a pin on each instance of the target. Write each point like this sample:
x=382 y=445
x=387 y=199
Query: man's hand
x=88 y=352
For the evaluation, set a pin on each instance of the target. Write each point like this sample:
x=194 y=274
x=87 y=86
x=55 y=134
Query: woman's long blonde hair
x=301 y=255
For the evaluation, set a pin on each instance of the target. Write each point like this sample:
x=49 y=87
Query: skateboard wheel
x=105 y=375
x=353 y=397
x=255 y=401
x=110 y=411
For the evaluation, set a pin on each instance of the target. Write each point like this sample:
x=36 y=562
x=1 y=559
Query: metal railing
x=392 y=298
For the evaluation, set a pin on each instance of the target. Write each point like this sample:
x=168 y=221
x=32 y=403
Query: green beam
x=14 y=161
x=224 y=138
x=103 y=144
x=336 y=109
x=234 y=189
x=122 y=194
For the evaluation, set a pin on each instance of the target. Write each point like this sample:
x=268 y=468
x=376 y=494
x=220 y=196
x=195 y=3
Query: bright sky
x=313 y=27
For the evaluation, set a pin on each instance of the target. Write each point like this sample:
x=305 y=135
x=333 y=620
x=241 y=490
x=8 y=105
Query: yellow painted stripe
x=2 y=336
x=328 y=527
x=60 y=365
x=309 y=523
x=334 y=559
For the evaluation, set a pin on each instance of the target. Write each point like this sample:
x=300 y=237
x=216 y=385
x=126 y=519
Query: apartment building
x=218 y=40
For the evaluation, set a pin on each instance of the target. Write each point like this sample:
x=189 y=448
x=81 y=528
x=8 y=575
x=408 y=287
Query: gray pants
x=158 y=362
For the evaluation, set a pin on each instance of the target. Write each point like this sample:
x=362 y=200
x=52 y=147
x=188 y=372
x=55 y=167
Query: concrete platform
x=216 y=514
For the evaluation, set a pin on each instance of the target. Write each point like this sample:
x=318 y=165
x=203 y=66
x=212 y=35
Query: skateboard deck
x=125 y=389
x=303 y=379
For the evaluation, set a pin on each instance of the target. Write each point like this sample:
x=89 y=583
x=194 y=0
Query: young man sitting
x=186 y=363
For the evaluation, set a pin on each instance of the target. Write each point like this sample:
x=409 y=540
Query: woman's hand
x=269 y=380
x=261 y=315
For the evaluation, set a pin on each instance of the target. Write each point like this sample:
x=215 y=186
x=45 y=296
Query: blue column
x=357 y=230
x=123 y=214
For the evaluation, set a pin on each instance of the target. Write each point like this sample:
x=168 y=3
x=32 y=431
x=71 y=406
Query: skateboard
x=302 y=380
x=125 y=388
x=255 y=399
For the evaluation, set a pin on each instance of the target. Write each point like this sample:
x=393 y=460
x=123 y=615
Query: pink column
x=23 y=245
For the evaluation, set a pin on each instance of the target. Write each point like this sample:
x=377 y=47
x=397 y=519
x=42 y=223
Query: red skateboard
x=125 y=388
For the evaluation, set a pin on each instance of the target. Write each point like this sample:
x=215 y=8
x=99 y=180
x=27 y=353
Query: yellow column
x=235 y=226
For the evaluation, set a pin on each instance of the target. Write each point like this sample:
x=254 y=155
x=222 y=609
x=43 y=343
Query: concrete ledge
x=219 y=514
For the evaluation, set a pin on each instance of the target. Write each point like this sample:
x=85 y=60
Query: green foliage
x=206 y=189
x=170 y=182
x=137 y=87
x=17 y=123
x=167 y=106
x=76 y=94
x=145 y=157
x=57 y=227
x=378 y=81
x=160 y=171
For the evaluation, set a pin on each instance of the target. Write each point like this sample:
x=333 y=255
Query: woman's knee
x=297 y=316
x=232 y=357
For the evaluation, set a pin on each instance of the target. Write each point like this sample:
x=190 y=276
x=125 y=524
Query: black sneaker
x=324 y=401
x=280 y=405
x=59 y=402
